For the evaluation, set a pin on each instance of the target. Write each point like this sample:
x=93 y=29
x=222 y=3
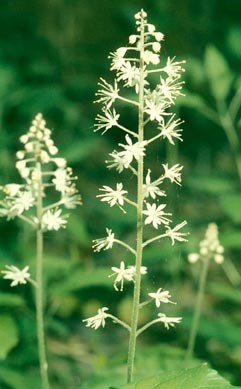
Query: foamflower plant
x=210 y=249
x=42 y=172
x=136 y=66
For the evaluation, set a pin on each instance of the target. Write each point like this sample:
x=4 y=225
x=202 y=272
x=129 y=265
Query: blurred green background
x=52 y=53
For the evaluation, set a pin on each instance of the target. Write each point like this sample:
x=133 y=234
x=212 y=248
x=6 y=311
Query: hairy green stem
x=39 y=288
x=139 y=231
x=198 y=307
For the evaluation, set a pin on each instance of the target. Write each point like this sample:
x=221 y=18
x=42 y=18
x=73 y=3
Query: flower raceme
x=40 y=167
x=137 y=66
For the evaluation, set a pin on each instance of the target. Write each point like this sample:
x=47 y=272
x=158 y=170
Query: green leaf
x=79 y=279
x=15 y=379
x=212 y=184
x=200 y=377
x=8 y=335
x=218 y=73
x=231 y=203
x=11 y=300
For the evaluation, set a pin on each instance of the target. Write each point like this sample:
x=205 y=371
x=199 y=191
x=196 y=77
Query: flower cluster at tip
x=41 y=169
x=209 y=247
x=141 y=59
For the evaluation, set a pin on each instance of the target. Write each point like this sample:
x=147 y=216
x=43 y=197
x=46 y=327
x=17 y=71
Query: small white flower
x=150 y=57
x=108 y=93
x=108 y=121
x=161 y=297
x=170 y=89
x=119 y=161
x=60 y=162
x=156 y=215
x=60 y=180
x=52 y=220
x=156 y=47
x=104 y=243
x=23 y=138
x=117 y=61
x=113 y=196
x=169 y=130
x=209 y=247
x=156 y=110
x=173 y=69
x=97 y=320
x=12 y=189
x=169 y=321
x=159 y=36
x=16 y=275
x=193 y=257
x=130 y=75
x=174 y=235
x=173 y=173
x=132 y=39
x=121 y=274
x=149 y=189
x=132 y=150
x=23 y=202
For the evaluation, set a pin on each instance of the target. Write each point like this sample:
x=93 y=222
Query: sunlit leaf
x=218 y=73
x=8 y=335
x=200 y=377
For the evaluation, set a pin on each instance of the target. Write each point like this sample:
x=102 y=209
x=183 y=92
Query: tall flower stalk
x=41 y=171
x=210 y=248
x=136 y=67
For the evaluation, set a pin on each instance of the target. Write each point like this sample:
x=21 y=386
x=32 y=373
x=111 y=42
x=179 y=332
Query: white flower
x=22 y=202
x=132 y=150
x=130 y=75
x=174 y=235
x=173 y=69
x=169 y=130
x=16 y=275
x=161 y=297
x=156 y=215
x=169 y=321
x=106 y=122
x=60 y=180
x=113 y=196
x=60 y=162
x=150 y=57
x=209 y=247
x=104 y=243
x=121 y=274
x=159 y=36
x=173 y=173
x=119 y=161
x=149 y=189
x=71 y=198
x=52 y=220
x=156 y=110
x=117 y=60
x=193 y=257
x=170 y=88
x=108 y=93
x=133 y=38
x=97 y=320
x=12 y=189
